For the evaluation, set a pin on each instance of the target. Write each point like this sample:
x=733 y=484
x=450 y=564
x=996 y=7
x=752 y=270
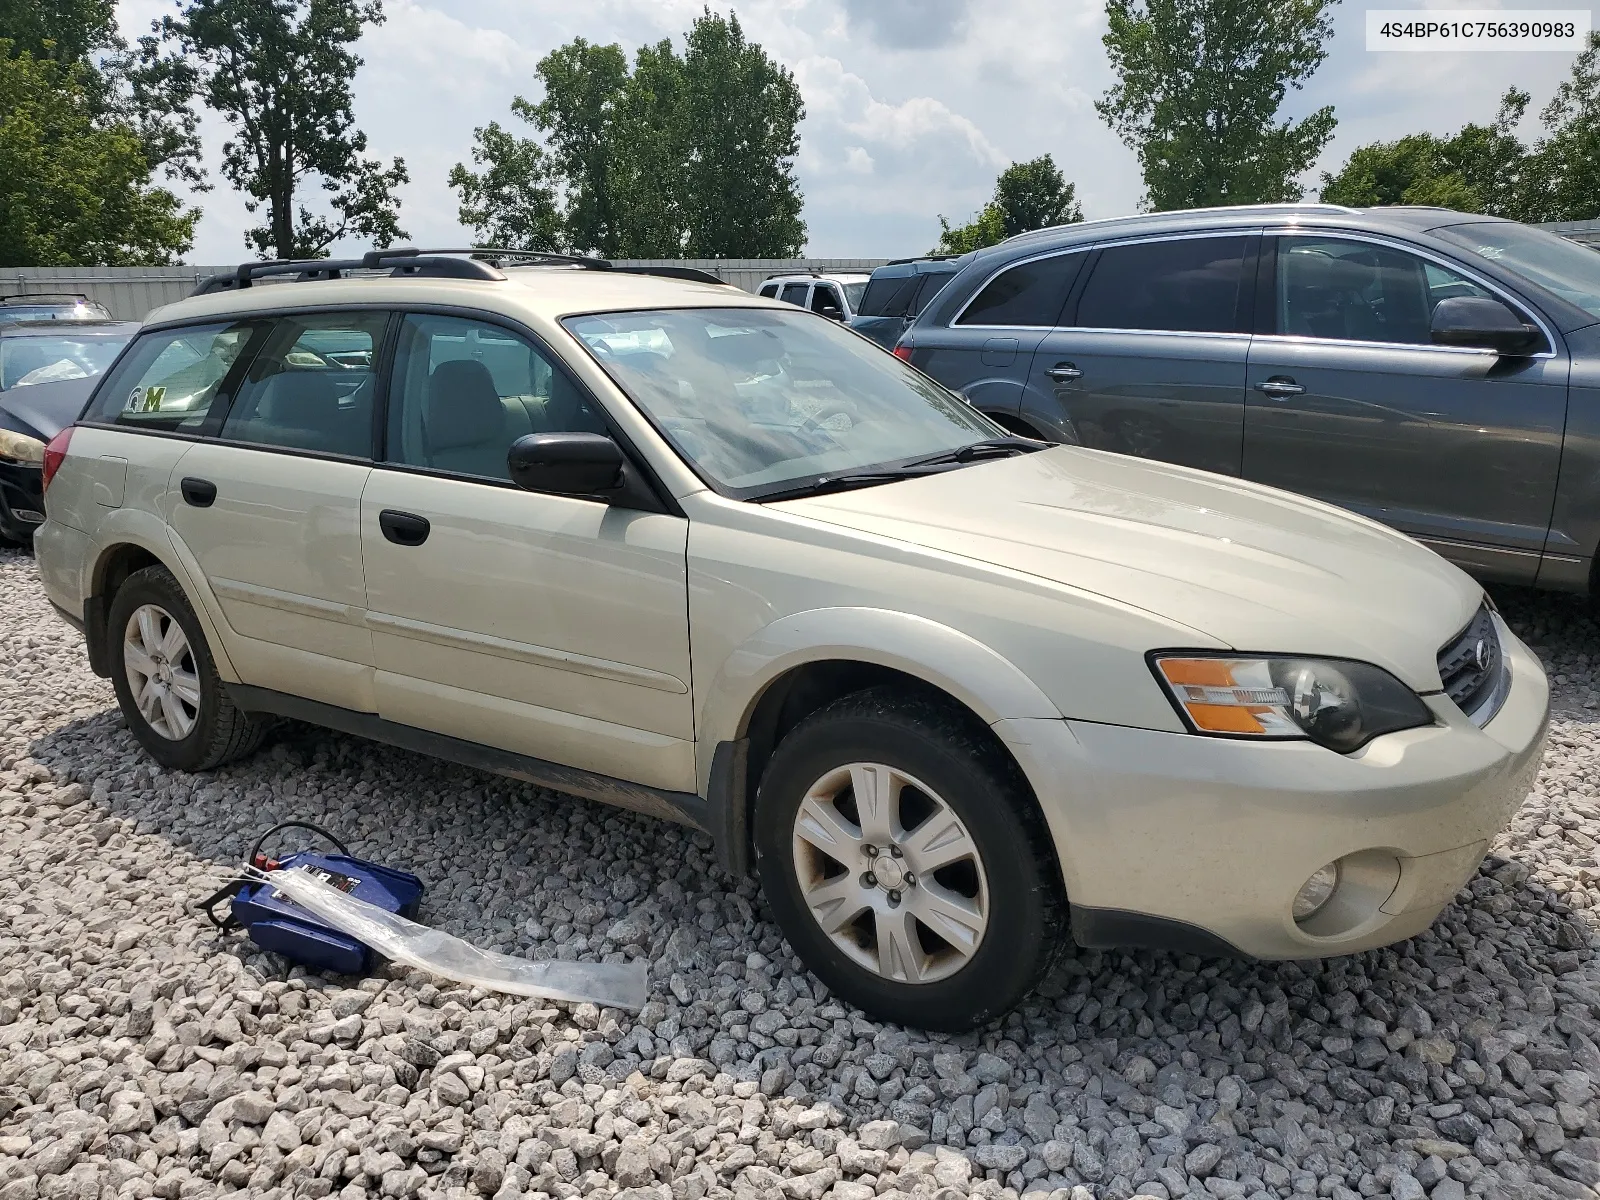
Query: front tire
x=166 y=681
x=905 y=858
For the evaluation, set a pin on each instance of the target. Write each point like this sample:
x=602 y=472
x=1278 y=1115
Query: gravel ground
x=141 y=1054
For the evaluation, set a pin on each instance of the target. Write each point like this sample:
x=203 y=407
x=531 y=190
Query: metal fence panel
x=131 y=292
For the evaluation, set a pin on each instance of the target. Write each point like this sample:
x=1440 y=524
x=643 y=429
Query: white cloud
x=913 y=106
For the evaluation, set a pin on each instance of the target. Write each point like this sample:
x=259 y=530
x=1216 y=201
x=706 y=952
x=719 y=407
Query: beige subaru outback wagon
x=657 y=542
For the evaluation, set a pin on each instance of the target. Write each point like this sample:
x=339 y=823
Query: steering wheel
x=813 y=423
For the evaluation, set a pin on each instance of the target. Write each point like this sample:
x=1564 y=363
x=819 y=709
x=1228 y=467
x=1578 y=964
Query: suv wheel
x=906 y=862
x=167 y=685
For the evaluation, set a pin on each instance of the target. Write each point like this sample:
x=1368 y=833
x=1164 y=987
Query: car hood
x=45 y=409
x=1254 y=568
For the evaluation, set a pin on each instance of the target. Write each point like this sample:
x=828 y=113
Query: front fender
x=956 y=663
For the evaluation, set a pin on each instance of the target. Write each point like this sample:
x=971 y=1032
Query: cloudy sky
x=912 y=106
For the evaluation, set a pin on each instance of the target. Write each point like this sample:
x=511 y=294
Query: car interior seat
x=464 y=424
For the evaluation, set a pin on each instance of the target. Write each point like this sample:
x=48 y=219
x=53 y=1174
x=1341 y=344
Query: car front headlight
x=19 y=447
x=1333 y=702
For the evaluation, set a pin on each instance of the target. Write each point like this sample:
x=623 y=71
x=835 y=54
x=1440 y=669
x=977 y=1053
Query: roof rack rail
x=39 y=297
x=900 y=262
x=464 y=262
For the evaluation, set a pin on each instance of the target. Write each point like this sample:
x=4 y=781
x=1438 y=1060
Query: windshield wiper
x=1000 y=447
x=825 y=484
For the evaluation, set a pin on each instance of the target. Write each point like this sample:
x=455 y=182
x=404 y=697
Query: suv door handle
x=1279 y=387
x=201 y=493
x=1064 y=372
x=403 y=528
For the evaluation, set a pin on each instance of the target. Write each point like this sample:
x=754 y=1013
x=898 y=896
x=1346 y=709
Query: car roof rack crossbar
x=900 y=262
x=403 y=260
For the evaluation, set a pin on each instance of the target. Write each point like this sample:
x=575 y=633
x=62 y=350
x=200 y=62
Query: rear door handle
x=403 y=528
x=1064 y=372
x=201 y=493
x=1279 y=387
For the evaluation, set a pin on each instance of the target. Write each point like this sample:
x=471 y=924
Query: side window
x=171 y=379
x=931 y=285
x=795 y=293
x=887 y=296
x=311 y=386
x=825 y=299
x=1031 y=293
x=769 y=290
x=1185 y=285
x=464 y=390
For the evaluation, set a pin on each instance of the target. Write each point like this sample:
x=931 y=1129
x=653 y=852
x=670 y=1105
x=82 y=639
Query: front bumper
x=21 y=499
x=1201 y=844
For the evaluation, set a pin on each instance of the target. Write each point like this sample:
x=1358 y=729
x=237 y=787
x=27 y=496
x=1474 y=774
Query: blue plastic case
x=277 y=924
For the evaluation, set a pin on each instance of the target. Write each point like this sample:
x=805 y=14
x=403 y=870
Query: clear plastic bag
x=611 y=985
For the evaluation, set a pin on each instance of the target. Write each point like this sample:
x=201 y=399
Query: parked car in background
x=51 y=306
x=835 y=296
x=897 y=292
x=1435 y=370
x=47 y=370
x=705 y=555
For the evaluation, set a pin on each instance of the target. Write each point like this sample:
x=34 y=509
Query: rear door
x=985 y=350
x=795 y=293
x=1351 y=402
x=1150 y=358
x=270 y=508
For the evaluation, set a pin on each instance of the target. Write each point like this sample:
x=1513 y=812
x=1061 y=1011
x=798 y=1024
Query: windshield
x=853 y=293
x=1569 y=270
x=757 y=400
x=29 y=360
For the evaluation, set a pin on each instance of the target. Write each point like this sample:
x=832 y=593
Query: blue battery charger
x=276 y=923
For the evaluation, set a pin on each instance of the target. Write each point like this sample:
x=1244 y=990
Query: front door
x=545 y=625
x=1150 y=358
x=1351 y=402
x=270 y=509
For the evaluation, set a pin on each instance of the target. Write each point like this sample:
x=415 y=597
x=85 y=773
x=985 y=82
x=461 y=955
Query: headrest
x=463 y=406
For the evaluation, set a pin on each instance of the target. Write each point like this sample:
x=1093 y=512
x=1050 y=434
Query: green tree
x=1479 y=170
x=1027 y=195
x=987 y=228
x=1035 y=195
x=279 y=71
x=1562 y=179
x=65 y=31
x=74 y=188
x=511 y=203
x=679 y=155
x=1200 y=83
x=742 y=112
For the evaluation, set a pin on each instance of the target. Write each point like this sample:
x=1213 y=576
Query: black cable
x=317 y=829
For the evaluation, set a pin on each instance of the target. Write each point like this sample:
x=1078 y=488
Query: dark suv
x=1435 y=370
x=897 y=292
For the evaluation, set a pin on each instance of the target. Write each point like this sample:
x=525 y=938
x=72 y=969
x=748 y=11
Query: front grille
x=1470 y=664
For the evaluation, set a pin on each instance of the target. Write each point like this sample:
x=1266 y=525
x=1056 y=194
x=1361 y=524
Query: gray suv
x=1434 y=370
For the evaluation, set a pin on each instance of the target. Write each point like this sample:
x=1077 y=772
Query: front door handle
x=1280 y=387
x=201 y=493
x=1064 y=372
x=403 y=528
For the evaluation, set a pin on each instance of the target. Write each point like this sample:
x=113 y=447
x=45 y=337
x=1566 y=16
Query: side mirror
x=1485 y=324
x=566 y=464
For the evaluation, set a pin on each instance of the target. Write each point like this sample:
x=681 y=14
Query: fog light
x=1314 y=893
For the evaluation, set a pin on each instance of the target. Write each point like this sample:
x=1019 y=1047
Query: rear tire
x=936 y=904
x=166 y=681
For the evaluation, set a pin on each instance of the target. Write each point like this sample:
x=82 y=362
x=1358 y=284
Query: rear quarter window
x=1028 y=294
x=171 y=379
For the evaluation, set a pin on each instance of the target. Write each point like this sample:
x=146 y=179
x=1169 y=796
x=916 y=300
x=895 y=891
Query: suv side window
x=1360 y=291
x=825 y=299
x=769 y=290
x=312 y=385
x=887 y=296
x=795 y=293
x=171 y=379
x=464 y=390
x=932 y=284
x=1030 y=293
x=1179 y=285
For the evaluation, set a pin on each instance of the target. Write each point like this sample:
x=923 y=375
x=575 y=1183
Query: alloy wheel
x=162 y=674
x=890 y=873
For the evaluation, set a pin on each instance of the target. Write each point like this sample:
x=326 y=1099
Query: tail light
x=55 y=453
x=902 y=351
